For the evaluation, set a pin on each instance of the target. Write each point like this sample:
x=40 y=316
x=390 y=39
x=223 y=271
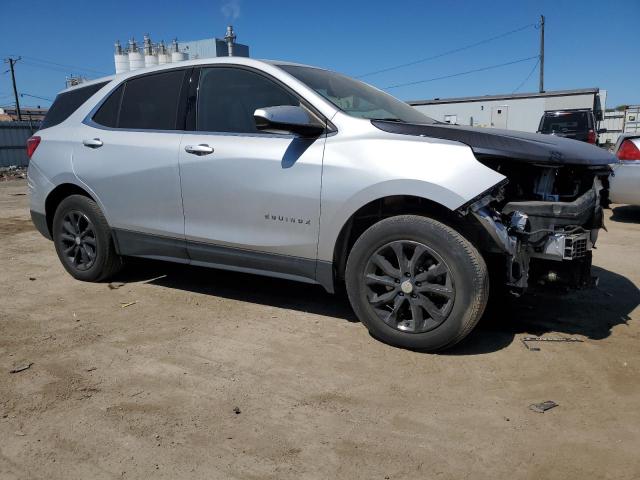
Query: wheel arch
x=57 y=195
x=392 y=205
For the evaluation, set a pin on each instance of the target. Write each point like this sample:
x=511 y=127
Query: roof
x=507 y=96
x=185 y=63
x=88 y=82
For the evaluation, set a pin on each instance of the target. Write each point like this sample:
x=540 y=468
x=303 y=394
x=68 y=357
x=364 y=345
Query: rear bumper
x=40 y=222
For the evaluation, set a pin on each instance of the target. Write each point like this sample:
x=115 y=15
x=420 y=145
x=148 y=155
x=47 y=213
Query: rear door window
x=151 y=102
x=109 y=111
x=68 y=102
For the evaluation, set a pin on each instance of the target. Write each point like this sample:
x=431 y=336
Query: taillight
x=591 y=136
x=32 y=144
x=628 y=151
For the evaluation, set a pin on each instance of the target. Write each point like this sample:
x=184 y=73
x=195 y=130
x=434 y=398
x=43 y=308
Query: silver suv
x=301 y=173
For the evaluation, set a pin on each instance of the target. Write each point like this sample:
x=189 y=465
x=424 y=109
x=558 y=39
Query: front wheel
x=416 y=283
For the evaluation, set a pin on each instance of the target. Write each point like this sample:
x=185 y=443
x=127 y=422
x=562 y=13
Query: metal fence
x=13 y=139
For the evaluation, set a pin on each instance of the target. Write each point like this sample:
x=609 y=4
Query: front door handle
x=92 y=143
x=202 y=149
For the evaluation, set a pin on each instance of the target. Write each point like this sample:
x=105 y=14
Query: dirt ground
x=220 y=375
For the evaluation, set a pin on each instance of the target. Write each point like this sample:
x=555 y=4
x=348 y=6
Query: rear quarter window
x=68 y=102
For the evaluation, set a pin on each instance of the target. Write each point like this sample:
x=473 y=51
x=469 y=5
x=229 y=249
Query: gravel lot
x=219 y=375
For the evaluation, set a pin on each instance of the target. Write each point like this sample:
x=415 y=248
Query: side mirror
x=289 y=119
x=602 y=130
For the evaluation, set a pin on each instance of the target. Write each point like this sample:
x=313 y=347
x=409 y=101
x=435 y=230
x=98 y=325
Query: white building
x=212 y=47
x=613 y=121
x=620 y=121
x=632 y=119
x=519 y=111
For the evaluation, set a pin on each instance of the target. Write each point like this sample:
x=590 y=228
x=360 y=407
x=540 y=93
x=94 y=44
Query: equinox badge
x=283 y=219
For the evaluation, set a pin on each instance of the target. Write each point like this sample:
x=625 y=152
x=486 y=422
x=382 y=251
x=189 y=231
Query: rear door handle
x=202 y=149
x=92 y=142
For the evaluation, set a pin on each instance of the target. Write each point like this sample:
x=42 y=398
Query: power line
x=490 y=67
x=449 y=52
x=45 y=67
x=527 y=77
x=35 y=96
x=82 y=69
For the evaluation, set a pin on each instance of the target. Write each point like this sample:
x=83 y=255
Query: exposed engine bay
x=541 y=223
x=544 y=221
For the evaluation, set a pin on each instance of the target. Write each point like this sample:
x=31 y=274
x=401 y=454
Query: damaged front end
x=542 y=224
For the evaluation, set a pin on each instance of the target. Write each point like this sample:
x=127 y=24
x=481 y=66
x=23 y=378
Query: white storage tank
x=136 y=59
x=121 y=59
x=150 y=57
x=176 y=54
x=163 y=55
x=178 y=57
x=150 y=60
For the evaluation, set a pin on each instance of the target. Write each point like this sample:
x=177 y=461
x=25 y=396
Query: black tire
x=462 y=293
x=81 y=214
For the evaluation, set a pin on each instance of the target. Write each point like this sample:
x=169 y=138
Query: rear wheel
x=83 y=240
x=416 y=283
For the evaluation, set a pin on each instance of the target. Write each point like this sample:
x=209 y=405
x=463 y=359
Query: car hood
x=518 y=146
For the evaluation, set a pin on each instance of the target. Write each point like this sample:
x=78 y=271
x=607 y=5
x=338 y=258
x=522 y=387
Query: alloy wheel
x=409 y=286
x=78 y=240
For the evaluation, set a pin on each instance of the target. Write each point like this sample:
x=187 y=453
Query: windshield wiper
x=389 y=119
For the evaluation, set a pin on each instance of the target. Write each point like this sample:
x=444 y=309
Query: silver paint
x=148 y=181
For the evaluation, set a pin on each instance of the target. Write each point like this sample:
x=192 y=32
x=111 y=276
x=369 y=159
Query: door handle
x=92 y=143
x=202 y=149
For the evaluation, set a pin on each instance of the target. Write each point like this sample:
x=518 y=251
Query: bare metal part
x=519 y=223
x=490 y=220
x=516 y=253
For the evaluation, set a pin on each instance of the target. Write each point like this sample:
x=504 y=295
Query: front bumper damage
x=542 y=242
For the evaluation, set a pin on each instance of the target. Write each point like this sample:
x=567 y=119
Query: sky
x=587 y=43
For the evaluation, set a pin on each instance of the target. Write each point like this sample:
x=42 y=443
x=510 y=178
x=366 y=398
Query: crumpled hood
x=518 y=146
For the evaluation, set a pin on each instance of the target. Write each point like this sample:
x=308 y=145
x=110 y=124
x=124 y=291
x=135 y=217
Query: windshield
x=354 y=97
x=564 y=122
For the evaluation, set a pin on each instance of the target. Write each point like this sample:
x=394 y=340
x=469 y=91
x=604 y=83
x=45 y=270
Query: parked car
x=578 y=124
x=625 y=180
x=301 y=173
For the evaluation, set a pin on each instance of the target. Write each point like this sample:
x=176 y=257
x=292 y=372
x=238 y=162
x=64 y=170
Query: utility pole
x=541 y=53
x=12 y=62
